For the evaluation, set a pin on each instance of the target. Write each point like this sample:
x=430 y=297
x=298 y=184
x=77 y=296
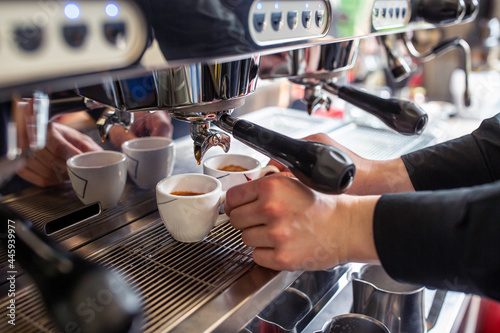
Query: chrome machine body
x=197 y=60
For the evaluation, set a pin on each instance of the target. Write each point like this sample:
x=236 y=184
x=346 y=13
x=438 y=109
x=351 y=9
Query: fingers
x=48 y=166
x=240 y=195
x=280 y=166
x=64 y=142
x=159 y=124
x=44 y=169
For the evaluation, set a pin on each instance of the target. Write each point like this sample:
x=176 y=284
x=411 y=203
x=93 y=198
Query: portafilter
x=207 y=93
x=317 y=69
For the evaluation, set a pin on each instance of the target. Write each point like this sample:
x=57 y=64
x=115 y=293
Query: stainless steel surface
x=352 y=321
x=315 y=62
x=398 y=306
x=199 y=84
x=452 y=313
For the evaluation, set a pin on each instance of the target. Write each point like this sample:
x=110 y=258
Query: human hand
x=48 y=166
x=293 y=227
x=145 y=124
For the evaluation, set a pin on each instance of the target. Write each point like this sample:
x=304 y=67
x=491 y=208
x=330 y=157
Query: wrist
x=361 y=243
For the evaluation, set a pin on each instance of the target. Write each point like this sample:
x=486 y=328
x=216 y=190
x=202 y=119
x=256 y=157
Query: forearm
x=379 y=177
x=372 y=177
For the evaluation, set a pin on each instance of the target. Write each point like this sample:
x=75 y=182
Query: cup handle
x=268 y=169
x=222 y=216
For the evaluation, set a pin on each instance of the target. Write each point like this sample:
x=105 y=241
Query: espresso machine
x=81 y=268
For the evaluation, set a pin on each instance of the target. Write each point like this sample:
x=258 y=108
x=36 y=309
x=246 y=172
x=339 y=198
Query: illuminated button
x=28 y=38
x=259 y=22
x=115 y=33
x=277 y=21
x=292 y=19
x=320 y=18
x=306 y=19
x=112 y=10
x=75 y=34
x=72 y=11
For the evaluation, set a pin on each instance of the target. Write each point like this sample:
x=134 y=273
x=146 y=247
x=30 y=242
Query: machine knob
x=441 y=11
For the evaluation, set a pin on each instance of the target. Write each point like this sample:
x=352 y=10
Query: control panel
x=43 y=39
x=389 y=14
x=289 y=20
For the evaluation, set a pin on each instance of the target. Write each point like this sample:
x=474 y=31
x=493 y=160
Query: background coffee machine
x=198 y=60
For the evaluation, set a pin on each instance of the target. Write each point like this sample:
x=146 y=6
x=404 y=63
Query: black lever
x=79 y=295
x=403 y=116
x=319 y=166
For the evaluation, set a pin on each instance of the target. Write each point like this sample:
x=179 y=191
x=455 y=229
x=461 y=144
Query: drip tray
x=173 y=279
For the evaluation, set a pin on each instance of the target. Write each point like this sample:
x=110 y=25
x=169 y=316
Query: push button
x=75 y=34
x=28 y=38
x=115 y=33
x=320 y=18
x=259 y=22
x=277 y=21
x=292 y=19
x=306 y=19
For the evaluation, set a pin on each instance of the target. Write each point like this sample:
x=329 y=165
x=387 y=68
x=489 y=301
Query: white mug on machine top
x=189 y=205
x=149 y=160
x=232 y=169
x=98 y=176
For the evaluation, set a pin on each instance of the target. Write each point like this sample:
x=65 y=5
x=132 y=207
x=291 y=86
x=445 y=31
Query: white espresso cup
x=98 y=176
x=149 y=160
x=189 y=218
x=253 y=169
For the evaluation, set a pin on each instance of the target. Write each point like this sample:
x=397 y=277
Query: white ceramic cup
x=189 y=218
x=229 y=179
x=149 y=160
x=98 y=176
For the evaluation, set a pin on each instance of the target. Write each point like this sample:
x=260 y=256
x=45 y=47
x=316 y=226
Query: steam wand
x=441 y=48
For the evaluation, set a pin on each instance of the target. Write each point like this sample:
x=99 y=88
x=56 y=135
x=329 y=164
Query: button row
x=390 y=13
x=292 y=18
x=30 y=38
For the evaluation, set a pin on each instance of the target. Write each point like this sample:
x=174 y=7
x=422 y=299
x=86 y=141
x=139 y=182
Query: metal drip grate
x=173 y=279
x=378 y=144
x=42 y=207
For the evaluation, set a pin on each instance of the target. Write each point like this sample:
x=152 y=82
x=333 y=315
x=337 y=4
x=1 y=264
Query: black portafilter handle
x=402 y=116
x=319 y=166
x=79 y=295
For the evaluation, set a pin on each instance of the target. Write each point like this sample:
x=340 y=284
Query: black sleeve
x=448 y=239
x=470 y=160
